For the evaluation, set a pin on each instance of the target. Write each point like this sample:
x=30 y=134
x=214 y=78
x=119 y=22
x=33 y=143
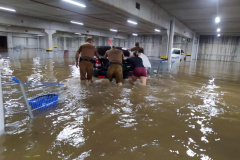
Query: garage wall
x=180 y=42
x=73 y=43
x=26 y=41
x=225 y=48
x=151 y=43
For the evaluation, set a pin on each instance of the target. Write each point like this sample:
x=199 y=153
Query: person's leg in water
x=83 y=71
x=119 y=75
x=89 y=72
x=143 y=80
x=134 y=78
x=110 y=74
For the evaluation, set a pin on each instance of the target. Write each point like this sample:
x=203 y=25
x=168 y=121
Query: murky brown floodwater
x=192 y=112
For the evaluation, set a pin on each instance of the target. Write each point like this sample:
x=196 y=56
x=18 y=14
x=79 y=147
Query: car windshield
x=176 y=52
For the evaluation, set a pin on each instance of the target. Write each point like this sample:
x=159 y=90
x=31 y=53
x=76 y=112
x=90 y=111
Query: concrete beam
x=149 y=12
x=29 y=22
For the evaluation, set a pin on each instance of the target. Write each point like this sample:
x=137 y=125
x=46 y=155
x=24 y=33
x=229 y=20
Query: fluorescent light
x=157 y=30
x=39 y=35
x=134 y=34
x=79 y=33
x=75 y=3
x=219 y=35
x=79 y=23
x=129 y=21
x=217 y=19
x=8 y=9
x=113 y=30
x=218 y=30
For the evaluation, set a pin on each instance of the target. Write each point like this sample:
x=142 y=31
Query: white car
x=178 y=54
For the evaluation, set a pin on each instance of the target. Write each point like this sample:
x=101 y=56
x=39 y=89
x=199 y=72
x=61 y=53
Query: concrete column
x=64 y=43
x=171 y=37
x=198 y=40
x=38 y=42
x=1 y=107
x=10 y=40
x=165 y=40
x=50 y=33
x=193 y=49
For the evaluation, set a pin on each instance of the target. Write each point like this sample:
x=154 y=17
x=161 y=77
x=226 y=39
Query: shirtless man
x=85 y=63
x=115 y=57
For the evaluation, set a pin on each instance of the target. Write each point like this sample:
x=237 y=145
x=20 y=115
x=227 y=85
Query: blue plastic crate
x=44 y=101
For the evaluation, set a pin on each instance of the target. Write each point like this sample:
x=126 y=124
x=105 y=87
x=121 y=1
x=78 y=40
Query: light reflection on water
x=179 y=115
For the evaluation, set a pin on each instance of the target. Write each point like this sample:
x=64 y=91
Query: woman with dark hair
x=139 y=70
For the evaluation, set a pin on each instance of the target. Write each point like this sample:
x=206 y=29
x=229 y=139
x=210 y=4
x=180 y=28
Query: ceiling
x=198 y=15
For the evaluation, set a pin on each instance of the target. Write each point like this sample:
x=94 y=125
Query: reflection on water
x=188 y=112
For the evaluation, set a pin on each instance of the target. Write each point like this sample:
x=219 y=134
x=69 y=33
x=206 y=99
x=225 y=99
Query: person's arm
x=133 y=49
x=106 y=55
x=96 y=53
x=77 y=55
x=123 y=57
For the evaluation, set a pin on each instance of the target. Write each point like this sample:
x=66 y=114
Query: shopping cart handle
x=15 y=80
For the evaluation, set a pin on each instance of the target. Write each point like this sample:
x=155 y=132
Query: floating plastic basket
x=44 y=101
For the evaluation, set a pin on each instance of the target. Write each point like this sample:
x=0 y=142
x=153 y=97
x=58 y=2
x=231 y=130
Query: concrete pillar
x=198 y=40
x=10 y=40
x=50 y=33
x=171 y=37
x=165 y=40
x=193 y=49
x=1 y=107
x=64 y=43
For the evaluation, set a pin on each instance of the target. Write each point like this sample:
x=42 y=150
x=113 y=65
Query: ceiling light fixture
x=219 y=35
x=157 y=30
x=79 y=23
x=113 y=30
x=134 y=34
x=217 y=19
x=218 y=30
x=7 y=9
x=79 y=33
x=132 y=22
x=75 y=3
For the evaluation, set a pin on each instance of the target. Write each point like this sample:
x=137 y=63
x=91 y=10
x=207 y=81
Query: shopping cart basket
x=39 y=96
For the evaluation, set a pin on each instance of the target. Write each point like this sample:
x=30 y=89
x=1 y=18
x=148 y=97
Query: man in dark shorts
x=115 y=57
x=139 y=70
x=86 y=61
x=136 y=49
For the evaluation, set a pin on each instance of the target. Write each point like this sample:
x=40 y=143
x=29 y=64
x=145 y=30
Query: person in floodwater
x=115 y=57
x=146 y=62
x=106 y=53
x=136 y=49
x=86 y=60
x=139 y=70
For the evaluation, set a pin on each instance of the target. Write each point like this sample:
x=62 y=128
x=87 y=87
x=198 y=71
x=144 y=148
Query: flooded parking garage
x=189 y=112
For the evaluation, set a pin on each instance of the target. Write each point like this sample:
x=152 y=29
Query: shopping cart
x=39 y=97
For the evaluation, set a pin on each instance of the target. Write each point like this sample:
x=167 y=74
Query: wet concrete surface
x=189 y=112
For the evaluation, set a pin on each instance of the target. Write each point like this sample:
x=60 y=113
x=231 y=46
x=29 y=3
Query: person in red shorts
x=139 y=70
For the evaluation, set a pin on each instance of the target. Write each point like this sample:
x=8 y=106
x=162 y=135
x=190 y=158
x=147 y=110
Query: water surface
x=189 y=112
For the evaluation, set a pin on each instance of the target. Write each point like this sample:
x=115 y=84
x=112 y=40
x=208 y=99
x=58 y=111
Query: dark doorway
x=3 y=44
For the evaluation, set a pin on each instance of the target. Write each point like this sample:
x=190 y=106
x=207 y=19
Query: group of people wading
x=138 y=60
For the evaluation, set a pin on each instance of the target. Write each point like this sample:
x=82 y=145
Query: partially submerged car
x=101 y=65
x=178 y=54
